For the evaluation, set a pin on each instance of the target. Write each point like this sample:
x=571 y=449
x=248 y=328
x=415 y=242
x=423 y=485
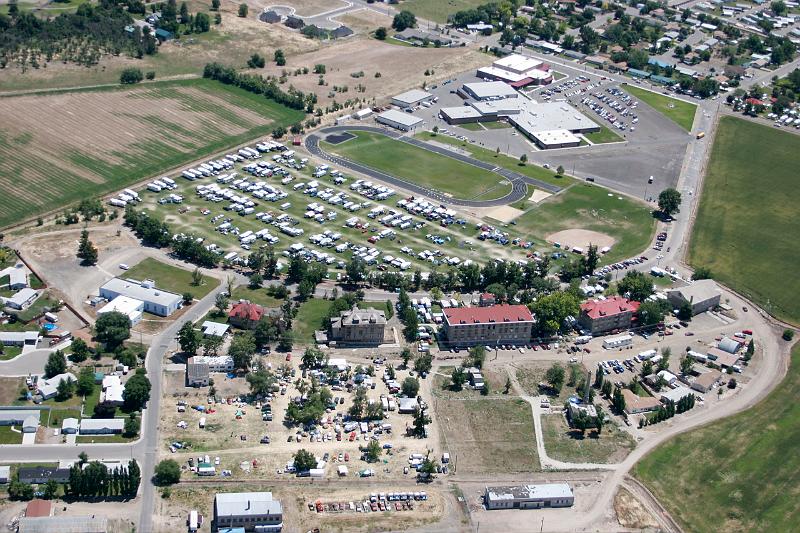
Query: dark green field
x=739 y=474
x=58 y=148
x=747 y=223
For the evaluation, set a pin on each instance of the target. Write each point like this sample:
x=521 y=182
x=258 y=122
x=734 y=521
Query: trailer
x=618 y=342
x=194 y=522
x=116 y=202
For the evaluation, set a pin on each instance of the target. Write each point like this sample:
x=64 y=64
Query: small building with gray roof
x=529 y=496
x=702 y=295
x=412 y=98
x=399 y=120
x=252 y=511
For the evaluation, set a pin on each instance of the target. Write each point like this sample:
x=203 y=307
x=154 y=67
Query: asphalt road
x=518 y=181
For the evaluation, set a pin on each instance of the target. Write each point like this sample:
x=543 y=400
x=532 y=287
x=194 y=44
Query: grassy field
x=170 y=278
x=746 y=221
x=256 y=296
x=743 y=467
x=309 y=318
x=10 y=437
x=10 y=352
x=420 y=166
x=605 y=135
x=564 y=444
x=678 y=111
x=58 y=148
x=590 y=207
x=57 y=416
x=489 y=435
x=438 y=10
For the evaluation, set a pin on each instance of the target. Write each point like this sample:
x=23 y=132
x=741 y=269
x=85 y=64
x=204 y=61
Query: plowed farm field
x=58 y=148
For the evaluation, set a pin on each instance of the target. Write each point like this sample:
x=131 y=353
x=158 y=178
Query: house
x=493 y=325
x=341 y=32
x=63 y=524
x=19 y=338
x=270 y=17
x=529 y=496
x=37 y=508
x=675 y=394
x=101 y=426
x=245 y=315
x=635 y=404
x=17 y=277
x=130 y=307
x=196 y=373
x=668 y=377
x=22 y=299
x=706 y=381
x=69 y=426
x=602 y=316
x=156 y=301
x=363 y=327
x=5 y=474
x=47 y=388
x=252 y=511
x=42 y=474
x=16 y=417
x=729 y=345
x=702 y=295
x=112 y=390
x=720 y=358
x=214 y=329
x=30 y=424
x=293 y=22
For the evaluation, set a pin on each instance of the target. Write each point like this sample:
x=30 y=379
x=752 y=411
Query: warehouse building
x=412 y=98
x=463 y=114
x=529 y=496
x=252 y=511
x=550 y=116
x=497 y=324
x=130 y=307
x=488 y=90
x=399 y=120
x=702 y=295
x=156 y=301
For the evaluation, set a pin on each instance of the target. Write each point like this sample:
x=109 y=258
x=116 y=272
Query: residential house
x=19 y=338
x=245 y=315
x=217 y=363
x=112 y=390
x=214 y=329
x=363 y=327
x=252 y=511
x=101 y=426
x=70 y=426
x=675 y=394
x=16 y=417
x=603 y=316
x=47 y=388
x=635 y=404
x=21 y=299
x=721 y=359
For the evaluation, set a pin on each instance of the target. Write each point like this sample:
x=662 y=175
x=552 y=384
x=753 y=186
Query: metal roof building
x=156 y=301
x=411 y=98
x=398 y=119
x=702 y=295
x=489 y=90
x=101 y=426
x=252 y=510
x=214 y=329
x=130 y=307
x=529 y=496
x=63 y=524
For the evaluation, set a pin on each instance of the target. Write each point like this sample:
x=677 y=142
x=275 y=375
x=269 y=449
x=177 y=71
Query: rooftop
x=549 y=137
x=707 y=379
x=546 y=116
x=517 y=63
x=356 y=316
x=699 y=291
x=11 y=415
x=64 y=524
x=413 y=96
x=406 y=119
x=140 y=291
x=489 y=89
x=215 y=329
x=123 y=304
x=487 y=315
x=529 y=492
x=462 y=111
x=634 y=402
x=38 y=508
x=101 y=423
x=676 y=394
x=609 y=307
x=246 y=504
x=246 y=311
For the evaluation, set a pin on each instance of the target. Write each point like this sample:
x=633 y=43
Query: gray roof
x=362 y=316
x=488 y=89
x=5 y=471
x=407 y=404
x=549 y=116
x=676 y=394
x=216 y=329
x=63 y=524
x=529 y=492
x=463 y=111
x=18 y=415
x=246 y=504
x=699 y=291
x=22 y=296
x=68 y=423
x=134 y=289
x=31 y=421
x=413 y=96
x=400 y=117
x=102 y=423
x=195 y=371
x=24 y=337
x=729 y=345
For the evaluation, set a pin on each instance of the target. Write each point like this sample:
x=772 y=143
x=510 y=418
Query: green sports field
x=679 y=111
x=420 y=166
x=438 y=10
x=739 y=474
x=58 y=148
x=747 y=223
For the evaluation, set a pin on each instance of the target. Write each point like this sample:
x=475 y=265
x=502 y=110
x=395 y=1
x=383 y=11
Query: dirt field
x=581 y=237
x=504 y=213
x=539 y=195
x=631 y=513
x=308 y=8
x=365 y=20
x=401 y=68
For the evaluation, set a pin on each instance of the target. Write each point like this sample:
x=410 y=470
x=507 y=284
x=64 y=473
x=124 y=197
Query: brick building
x=496 y=324
x=603 y=316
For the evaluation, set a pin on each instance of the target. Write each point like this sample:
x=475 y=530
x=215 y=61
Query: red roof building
x=245 y=315
x=491 y=325
x=602 y=316
x=38 y=508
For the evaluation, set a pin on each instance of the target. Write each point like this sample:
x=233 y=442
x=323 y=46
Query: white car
x=123 y=266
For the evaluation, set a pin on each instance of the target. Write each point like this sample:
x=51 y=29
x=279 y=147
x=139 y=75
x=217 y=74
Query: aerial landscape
x=399 y=265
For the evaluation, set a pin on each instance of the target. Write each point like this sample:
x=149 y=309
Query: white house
x=48 y=387
x=101 y=426
x=112 y=390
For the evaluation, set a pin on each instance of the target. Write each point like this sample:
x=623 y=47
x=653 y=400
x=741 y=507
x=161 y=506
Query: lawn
x=605 y=135
x=564 y=444
x=589 y=207
x=170 y=278
x=743 y=466
x=58 y=148
x=57 y=416
x=10 y=437
x=39 y=307
x=10 y=352
x=488 y=436
x=678 y=111
x=438 y=10
x=309 y=318
x=103 y=439
x=256 y=296
x=420 y=166
x=471 y=126
x=747 y=219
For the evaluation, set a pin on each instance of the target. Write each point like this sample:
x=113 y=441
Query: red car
x=747 y=331
x=288 y=357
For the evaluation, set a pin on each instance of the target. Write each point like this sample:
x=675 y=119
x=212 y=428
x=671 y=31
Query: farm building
x=411 y=98
x=245 y=315
x=101 y=426
x=497 y=324
x=488 y=90
x=399 y=120
x=156 y=301
x=529 y=496
x=364 y=327
x=518 y=71
x=602 y=316
x=22 y=299
x=130 y=307
x=19 y=338
x=702 y=295
x=253 y=511
x=635 y=404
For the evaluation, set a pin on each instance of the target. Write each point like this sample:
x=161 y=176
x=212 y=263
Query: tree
x=788 y=335
x=409 y=318
x=592 y=258
x=64 y=390
x=86 y=382
x=132 y=426
x=551 y=311
x=751 y=350
x=130 y=76
x=428 y=468
x=702 y=272
x=359 y=403
x=280 y=58
x=50 y=489
x=685 y=311
x=606 y=389
x=778 y=7
x=211 y=345
x=669 y=201
x=560 y=171
x=636 y=285
x=242 y=348
x=381 y=34
x=389 y=310
x=618 y=400
x=458 y=377
x=507 y=388
x=373 y=452
x=403 y=20
x=256 y=61
x=647 y=368
x=285 y=341
x=56 y=364
x=555 y=376
x=686 y=364
x=80 y=351
x=20 y=491
x=410 y=387
x=214 y=5
x=167 y=472
x=137 y=392
x=221 y=302
x=266 y=331
x=112 y=329
x=313 y=357
x=650 y=313
x=184 y=13
x=405 y=355
x=477 y=356
x=189 y=338
x=356 y=270
x=523 y=159
x=420 y=421
x=423 y=363
x=304 y=460
x=87 y=253
x=243 y=9
x=261 y=381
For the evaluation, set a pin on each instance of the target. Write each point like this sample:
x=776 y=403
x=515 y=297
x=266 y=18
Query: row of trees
x=95 y=480
x=155 y=232
x=259 y=85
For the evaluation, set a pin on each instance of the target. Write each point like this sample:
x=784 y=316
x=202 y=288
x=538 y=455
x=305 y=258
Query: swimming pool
x=49 y=326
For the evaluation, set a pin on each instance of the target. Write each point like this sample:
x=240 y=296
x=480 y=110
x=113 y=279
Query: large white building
x=489 y=90
x=130 y=307
x=253 y=511
x=529 y=496
x=217 y=363
x=412 y=98
x=399 y=120
x=156 y=301
x=518 y=71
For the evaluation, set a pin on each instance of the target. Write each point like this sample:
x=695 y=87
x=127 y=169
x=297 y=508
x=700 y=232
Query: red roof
x=521 y=83
x=37 y=508
x=609 y=307
x=247 y=311
x=754 y=101
x=486 y=315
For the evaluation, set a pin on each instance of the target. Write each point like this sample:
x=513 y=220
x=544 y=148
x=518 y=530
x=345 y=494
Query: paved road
x=518 y=181
x=25 y=364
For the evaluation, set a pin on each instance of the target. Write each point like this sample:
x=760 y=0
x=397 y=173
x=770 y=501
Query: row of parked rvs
x=124 y=198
